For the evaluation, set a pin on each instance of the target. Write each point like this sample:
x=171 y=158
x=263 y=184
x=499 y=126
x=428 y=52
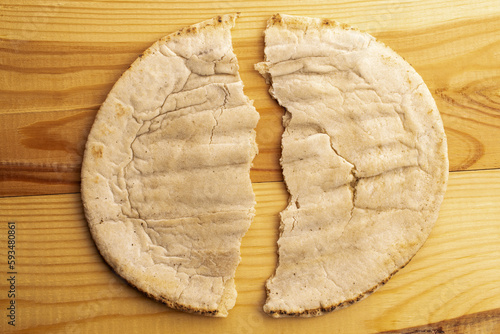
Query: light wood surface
x=58 y=61
x=65 y=287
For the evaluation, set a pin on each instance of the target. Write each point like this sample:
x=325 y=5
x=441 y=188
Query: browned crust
x=298 y=22
x=161 y=299
x=218 y=21
x=178 y=306
x=328 y=309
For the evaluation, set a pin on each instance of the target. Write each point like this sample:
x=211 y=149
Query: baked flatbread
x=364 y=159
x=165 y=176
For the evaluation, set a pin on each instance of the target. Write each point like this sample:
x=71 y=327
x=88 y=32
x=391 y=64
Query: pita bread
x=165 y=176
x=364 y=158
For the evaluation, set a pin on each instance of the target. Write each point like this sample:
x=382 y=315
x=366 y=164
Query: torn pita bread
x=165 y=176
x=364 y=158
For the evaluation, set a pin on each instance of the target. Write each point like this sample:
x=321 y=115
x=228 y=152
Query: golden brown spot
x=146 y=53
x=120 y=111
x=327 y=22
x=276 y=19
x=97 y=152
x=105 y=130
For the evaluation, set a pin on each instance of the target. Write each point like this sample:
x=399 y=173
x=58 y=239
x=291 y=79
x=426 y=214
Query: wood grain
x=65 y=287
x=59 y=60
x=481 y=322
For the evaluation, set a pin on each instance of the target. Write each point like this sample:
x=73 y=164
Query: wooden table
x=59 y=59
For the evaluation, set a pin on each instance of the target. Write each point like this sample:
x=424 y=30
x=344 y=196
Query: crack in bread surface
x=172 y=170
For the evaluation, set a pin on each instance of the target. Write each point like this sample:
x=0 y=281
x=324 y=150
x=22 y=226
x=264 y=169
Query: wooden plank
x=124 y=21
x=59 y=60
x=63 y=285
x=481 y=322
x=43 y=151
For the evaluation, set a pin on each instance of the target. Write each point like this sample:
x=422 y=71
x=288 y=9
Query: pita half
x=165 y=176
x=364 y=158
